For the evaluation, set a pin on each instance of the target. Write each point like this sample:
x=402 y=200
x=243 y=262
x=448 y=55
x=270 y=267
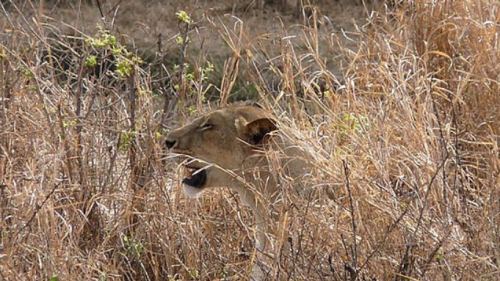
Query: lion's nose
x=170 y=143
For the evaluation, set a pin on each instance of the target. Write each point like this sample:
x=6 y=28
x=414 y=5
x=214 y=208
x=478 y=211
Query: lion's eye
x=206 y=126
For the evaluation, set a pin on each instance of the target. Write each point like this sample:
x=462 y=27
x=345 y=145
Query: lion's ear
x=255 y=132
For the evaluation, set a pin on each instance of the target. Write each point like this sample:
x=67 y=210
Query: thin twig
x=37 y=209
x=353 y=269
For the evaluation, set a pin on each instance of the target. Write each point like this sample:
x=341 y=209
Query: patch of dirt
x=147 y=23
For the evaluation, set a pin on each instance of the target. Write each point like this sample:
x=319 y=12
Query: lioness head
x=217 y=144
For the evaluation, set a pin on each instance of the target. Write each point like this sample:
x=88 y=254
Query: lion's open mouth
x=197 y=177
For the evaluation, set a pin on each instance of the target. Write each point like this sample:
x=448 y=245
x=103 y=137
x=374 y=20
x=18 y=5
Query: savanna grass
x=403 y=145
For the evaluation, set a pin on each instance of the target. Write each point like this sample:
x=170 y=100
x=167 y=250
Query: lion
x=230 y=147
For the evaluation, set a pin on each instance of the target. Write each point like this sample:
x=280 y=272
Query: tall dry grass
x=405 y=141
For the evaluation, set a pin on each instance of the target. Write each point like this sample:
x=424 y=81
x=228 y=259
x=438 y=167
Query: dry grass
x=406 y=140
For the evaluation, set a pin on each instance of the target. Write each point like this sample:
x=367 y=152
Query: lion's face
x=216 y=145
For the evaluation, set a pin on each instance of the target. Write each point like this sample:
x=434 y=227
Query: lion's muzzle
x=196 y=177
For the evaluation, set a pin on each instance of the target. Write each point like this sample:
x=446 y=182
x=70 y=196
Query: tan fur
x=236 y=143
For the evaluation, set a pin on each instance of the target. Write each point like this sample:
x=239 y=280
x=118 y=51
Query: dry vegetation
x=406 y=138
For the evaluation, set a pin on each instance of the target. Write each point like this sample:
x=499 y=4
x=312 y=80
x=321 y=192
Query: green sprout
x=26 y=72
x=209 y=68
x=103 y=276
x=69 y=123
x=440 y=256
x=194 y=273
x=158 y=135
x=205 y=71
x=125 y=60
x=116 y=51
x=91 y=61
x=177 y=67
x=191 y=109
x=182 y=16
x=144 y=92
x=189 y=76
x=133 y=246
x=354 y=122
x=124 y=67
x=179 y=40
x=127 y=137
x=102 y=40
